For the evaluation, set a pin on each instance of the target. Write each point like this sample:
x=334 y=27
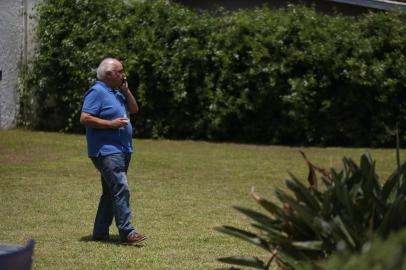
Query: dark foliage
x=266 y=76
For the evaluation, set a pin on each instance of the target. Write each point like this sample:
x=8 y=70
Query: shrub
x=312 y=222
x=289 y=76
x=72 y=37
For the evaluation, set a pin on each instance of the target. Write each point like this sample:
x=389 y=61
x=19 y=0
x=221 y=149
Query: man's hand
x=132 y=106
x=119 y=122
x=124 y=86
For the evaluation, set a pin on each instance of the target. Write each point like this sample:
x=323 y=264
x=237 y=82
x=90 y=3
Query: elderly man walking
x=106 y=107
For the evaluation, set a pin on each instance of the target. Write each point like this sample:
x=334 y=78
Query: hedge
x=287 y=76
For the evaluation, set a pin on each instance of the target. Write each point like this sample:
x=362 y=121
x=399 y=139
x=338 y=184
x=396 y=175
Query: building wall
x=15 y=45
x=11 y=40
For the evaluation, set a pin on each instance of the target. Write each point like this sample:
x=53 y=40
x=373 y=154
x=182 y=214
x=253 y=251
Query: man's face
x=115 y=78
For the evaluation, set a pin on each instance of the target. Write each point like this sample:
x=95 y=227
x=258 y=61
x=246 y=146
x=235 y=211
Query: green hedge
x=289 y=76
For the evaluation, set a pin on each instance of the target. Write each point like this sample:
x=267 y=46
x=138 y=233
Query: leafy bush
x=72 y=37
x=289 y=76
x=389 y=254
x=312 y=222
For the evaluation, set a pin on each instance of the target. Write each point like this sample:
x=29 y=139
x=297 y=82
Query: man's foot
x=134 y=237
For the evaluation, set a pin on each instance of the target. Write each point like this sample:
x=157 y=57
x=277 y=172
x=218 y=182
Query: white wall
x=11 y=40
x=15 y=41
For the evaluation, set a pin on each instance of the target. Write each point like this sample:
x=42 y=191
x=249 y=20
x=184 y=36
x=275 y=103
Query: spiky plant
x=311 y=222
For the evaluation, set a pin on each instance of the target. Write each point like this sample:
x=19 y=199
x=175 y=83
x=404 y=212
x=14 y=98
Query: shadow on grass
x=113 y=240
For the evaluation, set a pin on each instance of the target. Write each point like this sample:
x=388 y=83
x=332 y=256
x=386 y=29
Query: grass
x=180 y=191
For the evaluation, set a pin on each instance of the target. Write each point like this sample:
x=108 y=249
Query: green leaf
x=292 y=262
x=299 y=227
x=273 y=232
x=394 y=218
x=343 y=232
x=371 y=185
x=270 y=207
x=344 y=198
x=276 y=238
x=324 y=227
x=356 y=229
x=244 y=235
x=308 y=245
x=305 y=213
x=392 y=183
x=259 y=217
x=302 y=193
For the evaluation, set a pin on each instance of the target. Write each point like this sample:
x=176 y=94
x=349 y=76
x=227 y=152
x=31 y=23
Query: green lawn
x=180 y=191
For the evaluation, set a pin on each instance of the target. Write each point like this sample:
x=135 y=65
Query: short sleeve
x=92 y=102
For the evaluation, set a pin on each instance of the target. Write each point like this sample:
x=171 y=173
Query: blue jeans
x=114 y=201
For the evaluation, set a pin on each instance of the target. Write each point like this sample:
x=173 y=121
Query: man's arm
x=95 y=122
x=132 y=106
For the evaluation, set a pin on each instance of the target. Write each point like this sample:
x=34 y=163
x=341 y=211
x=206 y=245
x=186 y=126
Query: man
x=109 y=143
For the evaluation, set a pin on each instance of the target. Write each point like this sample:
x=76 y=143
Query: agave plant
x=310 y=222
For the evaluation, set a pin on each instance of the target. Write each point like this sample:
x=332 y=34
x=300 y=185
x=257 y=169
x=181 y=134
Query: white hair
x=106 y=66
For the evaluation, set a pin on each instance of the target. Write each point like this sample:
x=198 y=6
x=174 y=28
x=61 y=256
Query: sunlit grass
x=180 y=191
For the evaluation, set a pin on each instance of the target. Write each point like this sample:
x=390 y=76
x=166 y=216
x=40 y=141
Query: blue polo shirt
x=106 y=103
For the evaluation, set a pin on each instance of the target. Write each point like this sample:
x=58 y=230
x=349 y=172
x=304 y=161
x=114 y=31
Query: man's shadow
x=113 y=240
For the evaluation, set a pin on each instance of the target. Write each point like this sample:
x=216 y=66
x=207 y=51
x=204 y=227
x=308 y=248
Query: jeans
x=114 y=201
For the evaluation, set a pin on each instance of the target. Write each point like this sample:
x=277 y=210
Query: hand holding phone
x=124 y=81
x=124 y=84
